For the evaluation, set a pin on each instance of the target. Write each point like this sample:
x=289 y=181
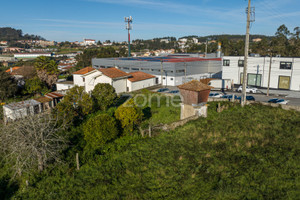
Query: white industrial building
x=171 y=70
x=31 y=55
x=122 y=82
x=285 y=72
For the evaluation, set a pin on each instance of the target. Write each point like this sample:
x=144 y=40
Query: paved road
x=292 y=96
x=264 y=98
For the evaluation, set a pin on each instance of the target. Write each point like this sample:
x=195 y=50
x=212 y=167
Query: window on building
x=145 y=69
x=226 y=62
x=136 y=69
x=164 y=78
x=241 y=63
x=126 y=68
x=83 y=79
x=171 y=79
x=180 y=71
x=285 y=65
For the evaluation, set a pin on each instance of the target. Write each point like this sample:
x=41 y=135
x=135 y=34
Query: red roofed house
x=122 y=82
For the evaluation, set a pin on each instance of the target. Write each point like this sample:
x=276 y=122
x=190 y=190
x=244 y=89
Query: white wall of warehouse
x=260 y=66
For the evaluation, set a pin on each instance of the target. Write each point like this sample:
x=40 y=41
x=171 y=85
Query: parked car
x=248 y=89
x=215 y=95
x=279 y=101
x=248 y=98
x=229 y=96
x=274 y=100
x=163 y=90
x=174 y=91
x=282 y=101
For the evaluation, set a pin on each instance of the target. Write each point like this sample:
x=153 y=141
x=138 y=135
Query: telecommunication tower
x=128 y=21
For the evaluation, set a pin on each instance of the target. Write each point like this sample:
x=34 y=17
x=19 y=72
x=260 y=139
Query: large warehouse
x=173 y=69
x=285 y=72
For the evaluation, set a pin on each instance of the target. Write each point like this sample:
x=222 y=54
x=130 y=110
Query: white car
x=215 y=95
x=248 y=89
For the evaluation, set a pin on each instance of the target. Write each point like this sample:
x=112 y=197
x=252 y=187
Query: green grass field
x=241 y=153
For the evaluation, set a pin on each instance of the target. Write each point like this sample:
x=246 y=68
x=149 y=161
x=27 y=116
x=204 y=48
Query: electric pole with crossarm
x=250 y=13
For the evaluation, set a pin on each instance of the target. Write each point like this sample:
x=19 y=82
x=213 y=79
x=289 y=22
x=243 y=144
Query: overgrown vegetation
x=241 y=153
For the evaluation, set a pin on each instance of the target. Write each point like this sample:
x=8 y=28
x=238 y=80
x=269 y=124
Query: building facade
x=284 y=74
x=170 y=70
x=122 y=82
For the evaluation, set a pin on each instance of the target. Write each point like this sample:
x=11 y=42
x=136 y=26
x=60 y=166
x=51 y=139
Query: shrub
x=129 y=115
x=99 y=130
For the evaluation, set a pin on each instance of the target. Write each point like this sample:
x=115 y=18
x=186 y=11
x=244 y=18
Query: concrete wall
x=120 y=85
x=133 y=86
x=188 y=111
x=260 y=66
x=78 y=80
x=60 y=86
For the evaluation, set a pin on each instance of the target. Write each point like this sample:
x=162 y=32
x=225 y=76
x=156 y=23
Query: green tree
x=130 y=116
x=8 y=86
x=75 y=104
x=99 y=130
x=104 y=95
x=35 y=86
x=47 y=70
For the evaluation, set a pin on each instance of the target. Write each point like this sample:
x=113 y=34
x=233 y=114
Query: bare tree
x=32 y=142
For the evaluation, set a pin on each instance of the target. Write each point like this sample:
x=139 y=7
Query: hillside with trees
x=11 y=34
x=96 y=151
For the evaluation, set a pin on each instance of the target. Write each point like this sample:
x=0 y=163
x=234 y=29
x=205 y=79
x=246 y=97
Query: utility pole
x=206 y=44
x=128 y=20
x=269 y=74
x=161 y=72
x=185 y=72
x=249 y=12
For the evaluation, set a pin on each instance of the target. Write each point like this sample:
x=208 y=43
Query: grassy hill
x=250 y=153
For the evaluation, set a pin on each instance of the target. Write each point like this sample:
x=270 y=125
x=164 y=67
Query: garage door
x=284 y=82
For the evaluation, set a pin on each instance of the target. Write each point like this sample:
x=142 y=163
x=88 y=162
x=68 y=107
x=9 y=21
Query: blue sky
x=74 y=20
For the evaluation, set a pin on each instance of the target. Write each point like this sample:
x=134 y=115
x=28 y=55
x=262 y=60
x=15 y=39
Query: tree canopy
x=8 y=86
x=99 y=130
x=104 y=96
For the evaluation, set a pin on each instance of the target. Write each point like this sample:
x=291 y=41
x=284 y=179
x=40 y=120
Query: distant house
x=257 y=40
x=4 y=43
x=89 y=42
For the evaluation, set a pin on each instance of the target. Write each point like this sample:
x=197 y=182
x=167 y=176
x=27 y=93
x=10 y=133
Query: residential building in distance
x=3 y=43
x=31 y=55
x=285 y=72
x=171 y=70
x=88 y=42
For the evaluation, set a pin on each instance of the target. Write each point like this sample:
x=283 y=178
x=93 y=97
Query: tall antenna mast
x=128 y=21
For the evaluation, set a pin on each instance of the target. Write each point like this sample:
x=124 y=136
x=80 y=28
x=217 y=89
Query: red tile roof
x=43 y=99
x=113 y=72
x=54 y=95
x=139 y=76
x=84 y=70
x=195 y=86
x=13 y=69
